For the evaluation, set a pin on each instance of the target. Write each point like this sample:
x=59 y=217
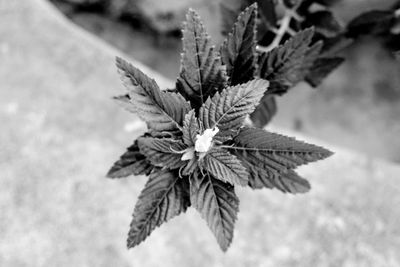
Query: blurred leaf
x=321 y=69
x=324 y=22
x=165 y=195
x=372 y=22
x=202 y=73
x=218 y=205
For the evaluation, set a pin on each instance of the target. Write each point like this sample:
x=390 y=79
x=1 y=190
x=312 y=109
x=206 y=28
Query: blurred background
x=60 y=132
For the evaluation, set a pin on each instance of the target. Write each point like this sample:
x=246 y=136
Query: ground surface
x=61 y=132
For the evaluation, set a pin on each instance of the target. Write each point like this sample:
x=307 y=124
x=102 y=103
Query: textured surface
x=60 y=133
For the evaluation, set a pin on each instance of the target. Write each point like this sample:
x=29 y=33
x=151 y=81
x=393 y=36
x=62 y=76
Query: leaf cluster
x=301 y=40
x=197 y=148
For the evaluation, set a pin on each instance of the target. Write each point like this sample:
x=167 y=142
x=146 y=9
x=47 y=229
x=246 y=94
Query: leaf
x=286 y=65
x=218 y=205
x=132 y=162
x=202 y=73
x=287 y=182
x=265 y=111
x=238 y=52
x=324 y=22
x=163 y=152
x=371 y=22
x=321 y=69
x=229 y=109
x=225 y=167
x=190 y=128
x=270 y=157
x=163 y=111
x=165 y=195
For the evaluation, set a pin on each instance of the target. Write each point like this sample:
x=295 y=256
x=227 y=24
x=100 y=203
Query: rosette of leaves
x=297 y=41
x=197 y=148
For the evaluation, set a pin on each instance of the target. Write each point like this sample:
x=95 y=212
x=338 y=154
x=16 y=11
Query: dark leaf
x=218 y=205
x=324 y=22
x=225 y=167
x=265 y=111
x=371 y=22
x=238 y=52
x=165 y=195
x=132 y=162
x=202 y=73
x=163 y=152
x=321 y=69
x=229 y=109
x=163 y=111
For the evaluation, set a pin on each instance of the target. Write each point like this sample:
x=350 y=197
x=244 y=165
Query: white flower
x=203 y=141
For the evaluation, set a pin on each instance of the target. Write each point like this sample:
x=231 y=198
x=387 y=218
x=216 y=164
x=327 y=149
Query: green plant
x=198 y=146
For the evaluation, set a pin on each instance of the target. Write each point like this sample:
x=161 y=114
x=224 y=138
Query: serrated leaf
x=163 y=152
x=165 y=195
x=218 y=205
x=227 y=110
x=274 y=156
x=287 y=182
x=321 y=69
x=238 y=52
x=132 y=162
x=265 y=111
x=225 y=167
x=202 y=73
x=163 y=111
x=190 y=128
x=286 y=65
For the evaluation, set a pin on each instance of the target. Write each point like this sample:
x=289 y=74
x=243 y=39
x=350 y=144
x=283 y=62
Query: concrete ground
x=60 y=132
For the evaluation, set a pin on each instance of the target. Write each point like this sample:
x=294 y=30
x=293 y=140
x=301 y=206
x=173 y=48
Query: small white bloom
x=203 y=141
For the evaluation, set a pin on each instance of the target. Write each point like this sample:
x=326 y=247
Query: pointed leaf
x=165 y=195
x=270 y=157
x=287 y=182
x=265 y=111
x=163 y=111
x=163 y=152
x=218 y=205
x=286 y=65
x=190 y=128
x=202 y=73
x=132 y=162
x=238 y=52
x=225 y=167
x=228 y=110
